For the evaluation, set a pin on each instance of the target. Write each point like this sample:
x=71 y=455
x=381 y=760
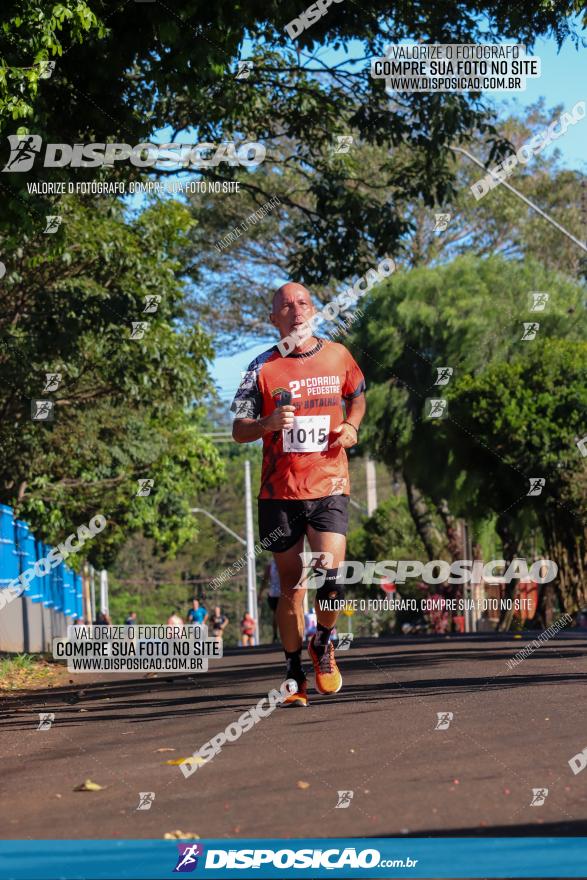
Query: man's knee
x=331 y=594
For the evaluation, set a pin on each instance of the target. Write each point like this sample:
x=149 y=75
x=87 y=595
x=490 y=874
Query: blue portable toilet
x=26 y=552
x=8 y=558
x=68 y=592
x=35 y=591
x=44 y=581
x=21 y=530
x=56 y=578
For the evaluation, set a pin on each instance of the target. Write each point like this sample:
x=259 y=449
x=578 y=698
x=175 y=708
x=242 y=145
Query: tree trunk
x=566 y=545
x=419 y=510
x=510 y=551
x=454 y=536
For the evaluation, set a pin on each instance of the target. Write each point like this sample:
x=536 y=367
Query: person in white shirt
x=310 y=624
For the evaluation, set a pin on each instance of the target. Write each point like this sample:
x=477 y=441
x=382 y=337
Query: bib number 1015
x=308 y=434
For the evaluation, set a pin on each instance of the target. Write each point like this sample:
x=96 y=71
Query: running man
x=304 y=479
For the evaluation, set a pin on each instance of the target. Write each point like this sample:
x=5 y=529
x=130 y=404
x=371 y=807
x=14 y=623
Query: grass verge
x=26 y=671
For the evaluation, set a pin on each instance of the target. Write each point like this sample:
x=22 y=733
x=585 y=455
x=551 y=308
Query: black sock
x=322 y=638
x=329 y=592
x=294 y=666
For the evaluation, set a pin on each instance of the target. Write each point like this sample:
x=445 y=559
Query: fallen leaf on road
x=164 y=750
x=174 y=762
x=180 y=835
x=88 y=785
x=302 y=784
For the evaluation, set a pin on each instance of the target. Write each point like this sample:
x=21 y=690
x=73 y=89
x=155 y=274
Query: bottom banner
x=413 y=857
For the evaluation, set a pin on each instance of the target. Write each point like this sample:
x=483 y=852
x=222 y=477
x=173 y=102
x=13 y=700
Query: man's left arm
x=348 y=431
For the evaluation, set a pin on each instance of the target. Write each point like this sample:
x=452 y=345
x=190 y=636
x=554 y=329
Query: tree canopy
x=148 y=68
x=100 y=305
x=469 y=316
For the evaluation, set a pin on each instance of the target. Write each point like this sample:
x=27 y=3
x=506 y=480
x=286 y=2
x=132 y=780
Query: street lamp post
x=251 y=573
x=249 y=543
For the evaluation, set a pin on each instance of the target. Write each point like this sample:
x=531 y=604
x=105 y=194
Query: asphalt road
x=511 y=731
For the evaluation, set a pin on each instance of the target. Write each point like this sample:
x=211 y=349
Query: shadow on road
x=244 y=678
x=576 y=828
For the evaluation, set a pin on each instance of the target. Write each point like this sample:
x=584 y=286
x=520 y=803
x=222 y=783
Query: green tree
x=262 y=253
x=153 y=585
x=32 y=34
x=140 y=76
x=389 y=534
x=125 y=408
x=522 y=420
x=463 y=315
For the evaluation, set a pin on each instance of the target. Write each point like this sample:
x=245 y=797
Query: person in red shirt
x=295 y=404
x=247 y=630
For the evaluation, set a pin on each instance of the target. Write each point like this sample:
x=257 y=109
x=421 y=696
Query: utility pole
x=87 y=605
x=251 y=572
x=104 y=604
x=248 y=541
x=92 y=594
x=371 y=486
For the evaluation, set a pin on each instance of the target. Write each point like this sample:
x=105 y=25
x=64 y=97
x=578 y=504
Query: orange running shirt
x=297 y=464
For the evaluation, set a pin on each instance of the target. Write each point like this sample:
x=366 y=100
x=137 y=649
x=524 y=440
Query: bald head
x=288 y=292
x=292 y=309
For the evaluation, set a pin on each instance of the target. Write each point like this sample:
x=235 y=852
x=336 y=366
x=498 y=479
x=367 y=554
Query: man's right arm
x=248 y=430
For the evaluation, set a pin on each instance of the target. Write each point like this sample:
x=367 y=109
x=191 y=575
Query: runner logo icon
x=344 y=800
x=444 y=719
x=23 y=152
x=187 y=859
x=539 y=795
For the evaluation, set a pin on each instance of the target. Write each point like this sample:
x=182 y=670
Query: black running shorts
x=328 y=514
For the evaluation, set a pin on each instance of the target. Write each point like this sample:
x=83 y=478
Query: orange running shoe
x=328 y=677
x=299 y=700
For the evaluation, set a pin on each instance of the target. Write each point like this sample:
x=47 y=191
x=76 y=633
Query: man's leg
x=326 y=530
x=335 y=545
x=290 y=612
x=289 y=516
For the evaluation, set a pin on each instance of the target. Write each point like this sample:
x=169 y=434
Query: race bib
x=309 y=434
